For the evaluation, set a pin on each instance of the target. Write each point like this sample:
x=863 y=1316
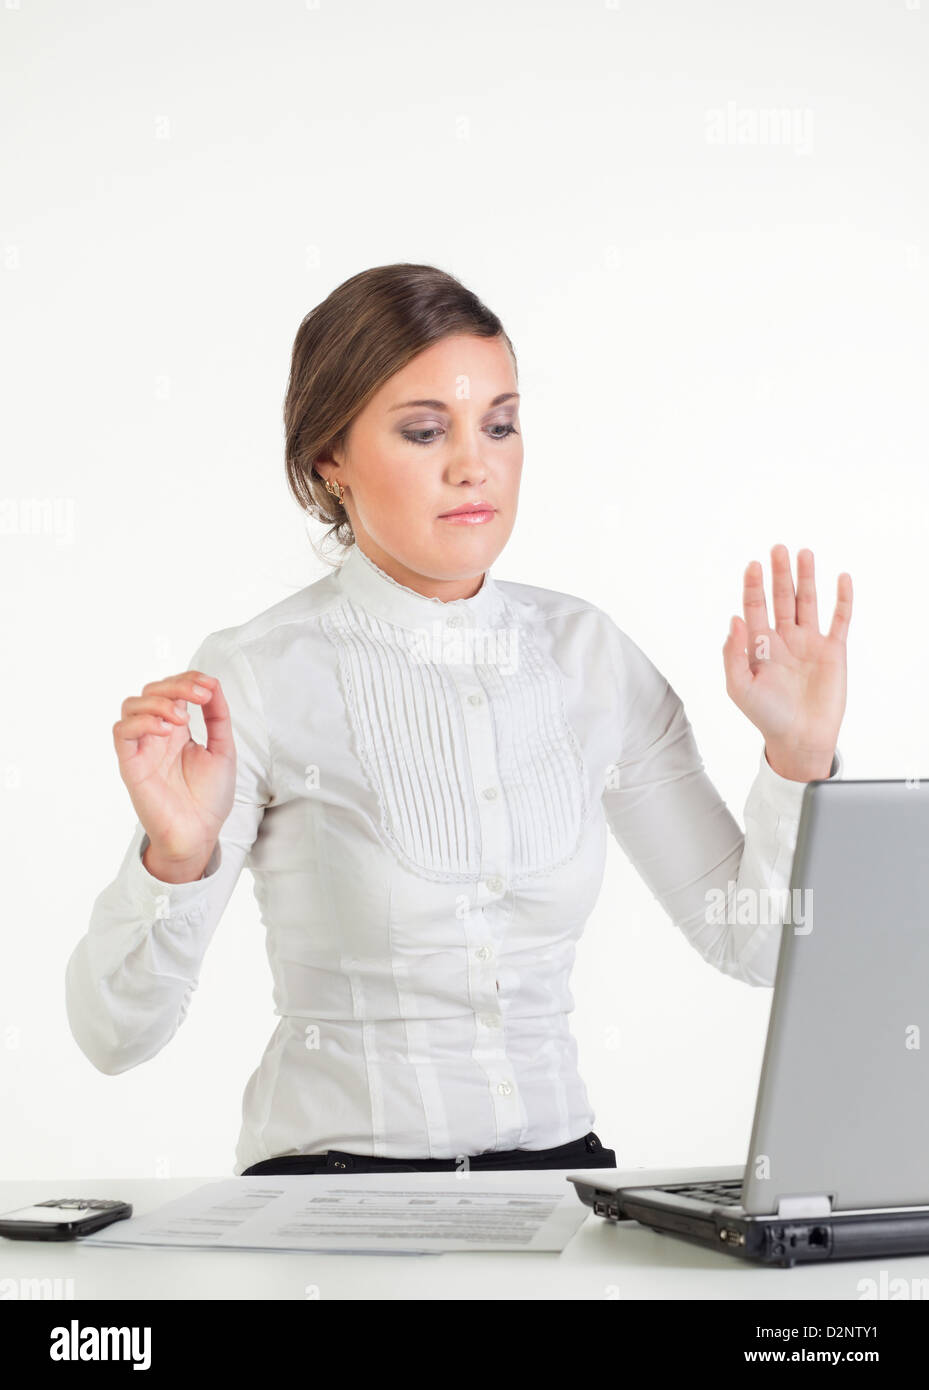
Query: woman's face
x=441 y=433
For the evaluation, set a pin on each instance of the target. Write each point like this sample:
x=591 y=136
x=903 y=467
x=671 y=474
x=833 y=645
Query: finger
x=127 y=732
x=843 y=608
x=782 y=587
x=190 y=685
x=754 y=605
x=735 y=659
x=218 y=724
x=175 y=710
x=807 y=611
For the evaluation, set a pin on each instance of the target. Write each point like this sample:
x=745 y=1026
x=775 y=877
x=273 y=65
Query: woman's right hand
x=182 y=790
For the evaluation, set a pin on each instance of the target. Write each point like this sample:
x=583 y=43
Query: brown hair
x=367 y=329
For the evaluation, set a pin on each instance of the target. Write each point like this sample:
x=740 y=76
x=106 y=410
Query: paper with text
x=391 y=1213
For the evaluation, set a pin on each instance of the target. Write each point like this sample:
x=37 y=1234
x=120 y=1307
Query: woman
x=418 y=763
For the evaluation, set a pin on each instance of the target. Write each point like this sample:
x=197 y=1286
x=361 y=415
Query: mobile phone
x=61 y=1218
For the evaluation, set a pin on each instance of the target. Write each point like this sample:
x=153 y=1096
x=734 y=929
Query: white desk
x=602 y=1261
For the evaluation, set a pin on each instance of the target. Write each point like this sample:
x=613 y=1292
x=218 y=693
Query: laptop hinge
x=789 y=1207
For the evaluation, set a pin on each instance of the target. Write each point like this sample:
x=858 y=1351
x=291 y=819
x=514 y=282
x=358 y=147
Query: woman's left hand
x=791 y=680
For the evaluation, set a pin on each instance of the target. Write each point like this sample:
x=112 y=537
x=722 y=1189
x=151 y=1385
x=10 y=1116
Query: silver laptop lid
x=843 y=1104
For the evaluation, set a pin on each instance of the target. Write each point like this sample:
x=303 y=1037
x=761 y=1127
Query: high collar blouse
x=423 y=794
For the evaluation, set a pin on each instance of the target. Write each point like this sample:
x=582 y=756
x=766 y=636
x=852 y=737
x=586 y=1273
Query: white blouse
x=423 y=791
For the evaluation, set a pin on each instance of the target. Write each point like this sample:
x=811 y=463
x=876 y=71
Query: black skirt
x=580 y=1153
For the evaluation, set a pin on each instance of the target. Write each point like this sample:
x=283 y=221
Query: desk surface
x=602 y=1261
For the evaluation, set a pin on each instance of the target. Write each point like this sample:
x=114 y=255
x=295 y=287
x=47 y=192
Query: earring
x=338 y=495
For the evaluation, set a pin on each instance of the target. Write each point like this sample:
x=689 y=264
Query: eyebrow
x=440 y=405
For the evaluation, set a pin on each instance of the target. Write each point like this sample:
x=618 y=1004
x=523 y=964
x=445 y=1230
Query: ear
x=323 y=467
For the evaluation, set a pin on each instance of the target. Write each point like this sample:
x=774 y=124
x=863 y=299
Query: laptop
x=838 y=1159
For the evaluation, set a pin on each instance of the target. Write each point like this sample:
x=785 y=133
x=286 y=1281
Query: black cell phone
x=61 y=1218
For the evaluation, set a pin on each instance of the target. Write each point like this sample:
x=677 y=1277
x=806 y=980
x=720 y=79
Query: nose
x=468 y=464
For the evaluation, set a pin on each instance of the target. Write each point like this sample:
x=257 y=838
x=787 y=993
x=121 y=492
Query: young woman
x=418 y=762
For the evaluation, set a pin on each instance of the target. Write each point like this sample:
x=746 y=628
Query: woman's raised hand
x=182 y=790
x=790 y=680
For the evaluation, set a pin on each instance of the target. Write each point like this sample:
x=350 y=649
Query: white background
x=720 y=325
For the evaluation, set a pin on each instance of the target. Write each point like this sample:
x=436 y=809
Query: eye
x=415 y=436
x=412 y=435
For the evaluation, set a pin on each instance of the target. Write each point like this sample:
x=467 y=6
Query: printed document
x=392 y=1213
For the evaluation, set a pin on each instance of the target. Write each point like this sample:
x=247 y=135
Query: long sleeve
x=129 y=980
x=680 y=836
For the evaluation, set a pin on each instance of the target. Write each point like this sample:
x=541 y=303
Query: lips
x=472 y=507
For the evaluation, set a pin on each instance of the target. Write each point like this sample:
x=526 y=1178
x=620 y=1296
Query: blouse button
x=455 y=620
x=490 y=793
x=495 y=885
x=504 y=1088
x=484 y=952
x=475 y=699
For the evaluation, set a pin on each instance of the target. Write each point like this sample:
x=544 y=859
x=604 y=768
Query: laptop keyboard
x=726 y=1193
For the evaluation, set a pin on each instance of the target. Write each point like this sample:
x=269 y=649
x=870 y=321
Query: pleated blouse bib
x=423 y=795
